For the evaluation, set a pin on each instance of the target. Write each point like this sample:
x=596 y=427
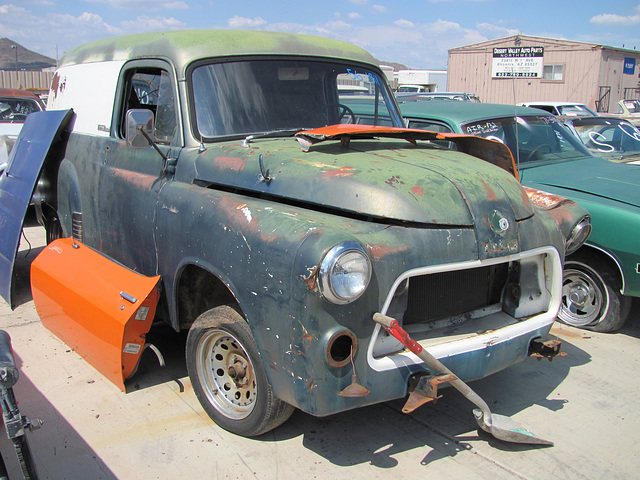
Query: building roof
x=544 y=41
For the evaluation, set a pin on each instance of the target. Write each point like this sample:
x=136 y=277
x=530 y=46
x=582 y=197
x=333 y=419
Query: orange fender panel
x=98 y=307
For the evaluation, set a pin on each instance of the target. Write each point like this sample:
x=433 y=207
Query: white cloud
x=145 y=24
x=495 y=31
x=144 y=5
x=338 y=25
x=617 y=20
x=404 y=23
x=379 y=8
x=358 y=2
x=243 y=22
x=354 y=15
x=54 y=33
x=613 y=19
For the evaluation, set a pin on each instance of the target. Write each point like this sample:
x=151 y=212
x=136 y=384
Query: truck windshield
x=258 y=96
x=531 y=138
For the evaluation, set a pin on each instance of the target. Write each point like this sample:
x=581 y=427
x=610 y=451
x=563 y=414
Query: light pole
x=15 y=47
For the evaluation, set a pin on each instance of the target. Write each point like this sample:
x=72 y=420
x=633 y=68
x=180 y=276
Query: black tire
x=53 y=227
x=228 y=377
x=591 y=297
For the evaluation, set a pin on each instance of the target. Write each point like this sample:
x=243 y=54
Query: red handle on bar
x=398 y=332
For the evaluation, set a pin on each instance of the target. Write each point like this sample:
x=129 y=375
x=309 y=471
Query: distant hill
x=27 y=60
x=396 y=66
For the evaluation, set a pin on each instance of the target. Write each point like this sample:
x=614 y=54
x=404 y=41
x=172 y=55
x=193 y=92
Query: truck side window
x=151 y=89
x=166 y=111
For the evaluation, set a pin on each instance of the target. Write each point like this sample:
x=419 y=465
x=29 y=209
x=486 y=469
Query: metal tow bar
x=500 y=426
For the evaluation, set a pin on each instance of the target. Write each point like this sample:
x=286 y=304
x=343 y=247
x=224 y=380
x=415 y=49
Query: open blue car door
x=18 y=181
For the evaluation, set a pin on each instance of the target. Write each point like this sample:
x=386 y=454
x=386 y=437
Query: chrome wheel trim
x=584 y=298
x=226 y=374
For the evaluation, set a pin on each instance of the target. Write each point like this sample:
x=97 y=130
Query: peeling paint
x=312 y=279
x=171 y=209
x=393 y=181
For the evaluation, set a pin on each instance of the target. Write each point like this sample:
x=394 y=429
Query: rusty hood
x=371 y=176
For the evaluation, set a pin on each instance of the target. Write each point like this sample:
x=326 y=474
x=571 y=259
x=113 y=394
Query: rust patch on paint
x=230 y=163
x=140 y=180
x=340 y=172
x=491 y=195
x=312 y=279
x=381 y=251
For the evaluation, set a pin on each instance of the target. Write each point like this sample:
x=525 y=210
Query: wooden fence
x=36 y=81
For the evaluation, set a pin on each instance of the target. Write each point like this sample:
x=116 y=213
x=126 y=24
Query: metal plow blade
x=505 y=429
x=99 y=308
x=501 y=427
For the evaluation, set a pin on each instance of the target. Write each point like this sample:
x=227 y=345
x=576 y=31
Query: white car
x=569 y=109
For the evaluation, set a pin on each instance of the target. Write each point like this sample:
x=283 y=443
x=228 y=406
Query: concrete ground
x=586 y=402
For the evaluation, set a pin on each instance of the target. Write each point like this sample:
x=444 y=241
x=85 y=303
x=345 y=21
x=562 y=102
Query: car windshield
x=531 y=138
x=16 y=109
x=608 y=136
x=576 y=111
x=632 y=105
x=259 y=96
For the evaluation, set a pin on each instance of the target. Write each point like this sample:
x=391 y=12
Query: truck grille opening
x=453 y=293
x=438 y=306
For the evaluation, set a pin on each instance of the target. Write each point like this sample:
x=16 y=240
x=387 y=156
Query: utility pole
x=15 y=47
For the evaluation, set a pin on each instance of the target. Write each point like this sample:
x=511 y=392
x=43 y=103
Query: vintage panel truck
x=216 y=181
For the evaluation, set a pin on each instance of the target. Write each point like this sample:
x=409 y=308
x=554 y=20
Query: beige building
x=522 y=68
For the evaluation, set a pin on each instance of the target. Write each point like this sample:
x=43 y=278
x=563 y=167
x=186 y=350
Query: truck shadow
x=376 y=434
x=27 y=251
x=171 y=345
x=58 y=451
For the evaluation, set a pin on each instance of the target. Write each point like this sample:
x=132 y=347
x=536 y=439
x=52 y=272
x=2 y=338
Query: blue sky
x=416 y=33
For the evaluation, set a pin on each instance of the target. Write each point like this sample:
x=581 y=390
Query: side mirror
x=138 y=123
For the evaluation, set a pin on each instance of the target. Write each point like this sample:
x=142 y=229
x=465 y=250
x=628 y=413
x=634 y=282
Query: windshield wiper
x=634 y=154
x=290 y=132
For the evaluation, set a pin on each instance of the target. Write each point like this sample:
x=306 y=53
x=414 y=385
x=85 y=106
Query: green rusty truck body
x=200 y=157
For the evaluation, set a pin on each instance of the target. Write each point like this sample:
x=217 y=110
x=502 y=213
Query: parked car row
x=568 y=109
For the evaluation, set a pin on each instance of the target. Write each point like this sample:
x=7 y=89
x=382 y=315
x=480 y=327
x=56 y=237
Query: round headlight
x=344 y=273
x=578 y=235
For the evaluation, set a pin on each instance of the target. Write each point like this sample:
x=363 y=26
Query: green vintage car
x=215 y=181
x=602 y=276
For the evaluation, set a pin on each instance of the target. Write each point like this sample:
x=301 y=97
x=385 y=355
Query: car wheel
x=228 y=377
x=53 y=227
x=591 y=298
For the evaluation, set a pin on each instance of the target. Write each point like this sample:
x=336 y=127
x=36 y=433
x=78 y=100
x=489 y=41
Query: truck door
x=131 y=179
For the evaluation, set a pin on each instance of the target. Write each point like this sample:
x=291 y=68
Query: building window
x=553 y=73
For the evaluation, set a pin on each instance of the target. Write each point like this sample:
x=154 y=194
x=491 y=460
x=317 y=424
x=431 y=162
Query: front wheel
x=228 y=377
x=591 y=298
